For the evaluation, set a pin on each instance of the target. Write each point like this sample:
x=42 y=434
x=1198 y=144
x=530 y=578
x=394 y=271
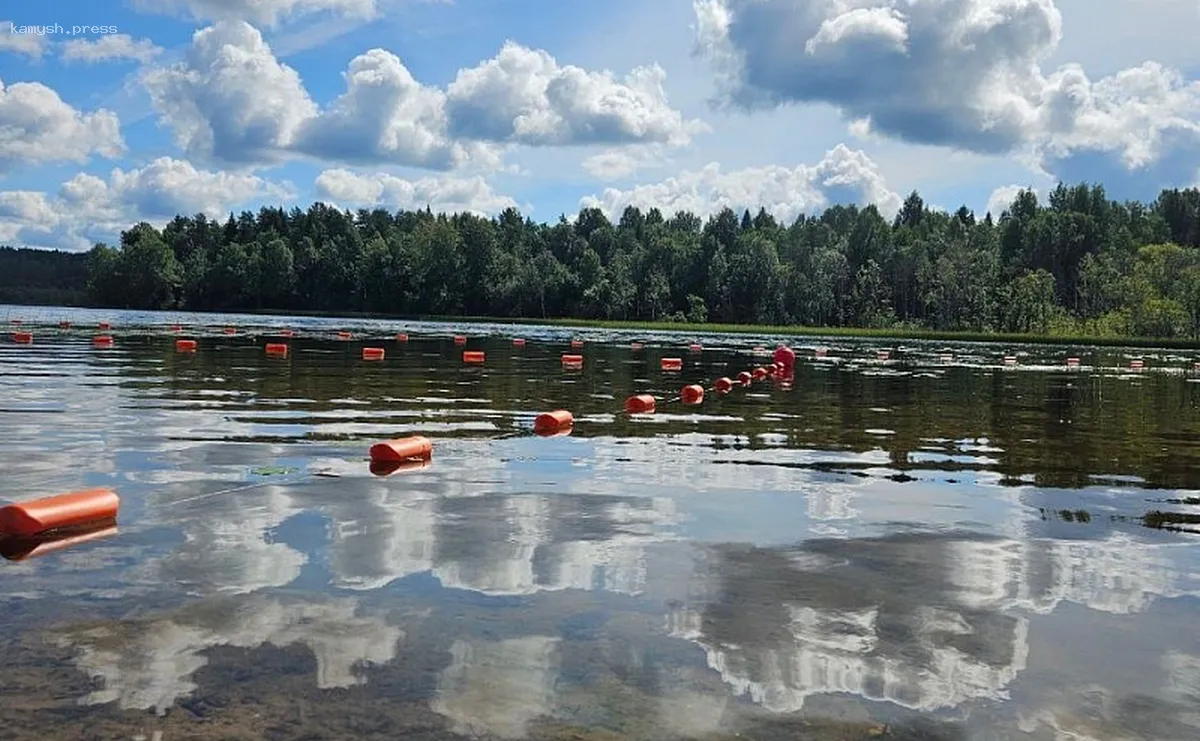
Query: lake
x=922 y=547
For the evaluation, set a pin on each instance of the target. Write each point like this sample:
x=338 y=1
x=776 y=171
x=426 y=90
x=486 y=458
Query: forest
x=1079 y=264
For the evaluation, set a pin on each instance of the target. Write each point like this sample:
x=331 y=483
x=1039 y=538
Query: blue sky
x=222 y=105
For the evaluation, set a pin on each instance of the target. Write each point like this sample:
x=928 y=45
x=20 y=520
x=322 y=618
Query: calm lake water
x=900 y=549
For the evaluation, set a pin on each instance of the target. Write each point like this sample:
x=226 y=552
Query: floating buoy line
x=40 y=526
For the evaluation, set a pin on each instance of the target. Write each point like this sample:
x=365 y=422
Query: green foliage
x=1078 y=265
x=42 y=277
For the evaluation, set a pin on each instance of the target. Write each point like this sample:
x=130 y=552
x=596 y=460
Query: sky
x=137 y=110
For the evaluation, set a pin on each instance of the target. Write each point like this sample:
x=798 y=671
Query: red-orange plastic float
x=518 y=342
x=387 y=468
x=723 y=385
x=460 y=340
x=640 y=404
x=553 y=423
x=759 y=373
x=103 y=326
x=474 y=357
x=695 y=347
x=373 y=353
x=102 y=340
x=287 y=333
x=572 y=361
x=20 y=549
x=58 y=513
x=279 y=349
x=345 y=335
x=231 y=330
x=785 y=357
x=402 y=449
x=22 y=338
x=401 y=337
x=177 y=328
x=671 y=364
x=692 y=394
x=745 y=377
x=185 y=346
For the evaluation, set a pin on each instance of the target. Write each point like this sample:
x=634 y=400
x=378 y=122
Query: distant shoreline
x=845 y=333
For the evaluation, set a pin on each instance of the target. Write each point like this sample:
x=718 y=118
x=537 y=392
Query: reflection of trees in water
x=149 y=663
x=923 y=621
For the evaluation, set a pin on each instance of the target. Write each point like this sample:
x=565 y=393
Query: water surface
x=920 y=548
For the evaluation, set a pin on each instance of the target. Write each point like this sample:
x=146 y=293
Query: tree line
x=1078 y=264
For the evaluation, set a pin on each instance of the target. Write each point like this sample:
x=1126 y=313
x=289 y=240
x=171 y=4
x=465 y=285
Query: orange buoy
x=287 y=333
x=387 y=468
x=64 y=324
x=231 y=330
x=185 y=345
x=102 y=340
x=692 y=394
x=103 y=326
x=345 y=336
x=549 y=423
x=635 y=346
x=57 y=513
x=518 y=342
x=723 y=385
x=671 y=364
x=373 y=353
x=402 y=449
x=771 y=370
x=572 y=361
x=23 y=338
x=745 y=377
x=401 y=337
x=21 y=548
x=759 y=373
x=473 y=356
x=640 y=404
x=277 y=348
x=695 y=347
x=460 y=340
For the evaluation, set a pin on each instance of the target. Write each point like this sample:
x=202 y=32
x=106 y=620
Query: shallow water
x=913 y=548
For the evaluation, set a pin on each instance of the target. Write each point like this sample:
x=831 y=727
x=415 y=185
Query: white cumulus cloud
x=261 y=12
x=30 y=44
x=842 y=176
x=87 y=208
x=110 y=48
x=446 y=193
x=37 y=126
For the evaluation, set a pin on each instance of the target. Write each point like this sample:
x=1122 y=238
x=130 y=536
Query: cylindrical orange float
x=460 y=340
x=62 y=512
x=745 y=377
x=185 y=345
x=23 y=338
x=345 y=336
x=692 y=394
x=695 y=347
x=518 y=342
x=287 y=333
x=572 y=361
x=640 y=404
x=723 y=385
x=576 y=344
x=19 y=549
x=373 y=353
x=759 y=373
x=102 y=340
x=401 y=337
x=671 y=364
x=402 y=449
x=474 y=357
x=387 y=468
x=553 y=422
x=277 y=348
